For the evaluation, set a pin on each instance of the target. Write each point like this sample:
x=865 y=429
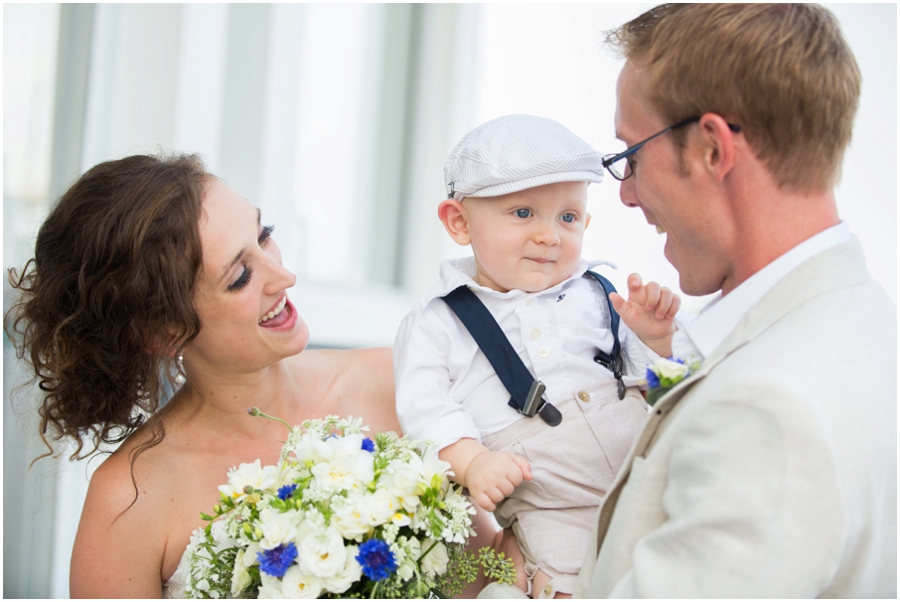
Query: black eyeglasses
x=625 y=171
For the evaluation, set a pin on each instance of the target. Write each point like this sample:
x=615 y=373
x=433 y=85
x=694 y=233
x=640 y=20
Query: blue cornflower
x=278 y=560
x=376 y=559
x=652 y=378
x=368 y=444
x=286 y=491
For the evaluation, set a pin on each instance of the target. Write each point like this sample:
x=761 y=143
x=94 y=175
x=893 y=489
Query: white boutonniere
x=665 y=373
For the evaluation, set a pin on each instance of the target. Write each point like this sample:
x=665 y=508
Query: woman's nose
x=280 y=277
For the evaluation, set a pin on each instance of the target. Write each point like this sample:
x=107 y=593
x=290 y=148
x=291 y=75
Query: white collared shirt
x=699 y=337
x=447 y=389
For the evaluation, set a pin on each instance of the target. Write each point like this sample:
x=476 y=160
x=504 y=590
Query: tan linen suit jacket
x=772 y=472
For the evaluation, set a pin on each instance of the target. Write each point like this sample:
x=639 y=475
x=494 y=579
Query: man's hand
x=649 y=313
x=490 y=476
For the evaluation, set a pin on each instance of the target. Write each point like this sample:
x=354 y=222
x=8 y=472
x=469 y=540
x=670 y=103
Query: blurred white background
x=335 y=120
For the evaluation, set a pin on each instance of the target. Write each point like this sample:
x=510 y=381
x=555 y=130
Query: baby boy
x=517 y=193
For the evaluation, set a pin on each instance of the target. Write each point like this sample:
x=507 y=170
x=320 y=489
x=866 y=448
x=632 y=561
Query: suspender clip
x=535 y=401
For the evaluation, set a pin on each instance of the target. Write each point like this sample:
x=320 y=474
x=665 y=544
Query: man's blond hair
x=783 y=72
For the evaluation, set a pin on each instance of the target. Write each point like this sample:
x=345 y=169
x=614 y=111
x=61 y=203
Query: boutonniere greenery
x=665 y=373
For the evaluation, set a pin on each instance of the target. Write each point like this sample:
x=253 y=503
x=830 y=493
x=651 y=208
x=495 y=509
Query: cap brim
x=533 y=182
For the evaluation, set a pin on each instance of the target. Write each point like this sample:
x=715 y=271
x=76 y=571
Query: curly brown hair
x=107 y=299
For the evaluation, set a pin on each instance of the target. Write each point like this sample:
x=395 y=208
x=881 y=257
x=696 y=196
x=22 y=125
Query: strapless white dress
x=176 y=586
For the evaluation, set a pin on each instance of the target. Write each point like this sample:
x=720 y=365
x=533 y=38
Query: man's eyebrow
x=241 y=254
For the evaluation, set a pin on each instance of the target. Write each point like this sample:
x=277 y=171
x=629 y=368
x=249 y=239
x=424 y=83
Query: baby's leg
x=506 y=543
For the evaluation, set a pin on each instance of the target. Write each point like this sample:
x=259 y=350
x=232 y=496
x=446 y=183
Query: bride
x=150 y=267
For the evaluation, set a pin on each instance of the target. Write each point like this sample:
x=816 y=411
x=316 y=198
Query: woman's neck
x=220 y=400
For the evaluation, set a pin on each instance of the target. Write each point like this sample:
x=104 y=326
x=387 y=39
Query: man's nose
x=627 y=192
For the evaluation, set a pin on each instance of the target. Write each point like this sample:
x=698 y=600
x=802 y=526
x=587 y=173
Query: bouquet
x=340 y=515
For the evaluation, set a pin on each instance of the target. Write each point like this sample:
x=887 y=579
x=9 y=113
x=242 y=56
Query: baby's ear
x=587 y=220
x=456 y=220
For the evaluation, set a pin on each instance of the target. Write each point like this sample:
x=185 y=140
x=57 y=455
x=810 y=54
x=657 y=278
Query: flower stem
x=255 y=411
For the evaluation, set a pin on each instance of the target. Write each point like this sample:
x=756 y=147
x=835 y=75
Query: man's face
x=671 y=187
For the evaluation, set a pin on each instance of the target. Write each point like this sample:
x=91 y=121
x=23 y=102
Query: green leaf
x=653 y=395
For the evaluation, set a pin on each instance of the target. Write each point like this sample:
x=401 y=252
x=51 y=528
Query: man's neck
x=771 y=222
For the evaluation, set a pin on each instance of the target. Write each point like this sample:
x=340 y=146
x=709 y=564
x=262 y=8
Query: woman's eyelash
x=242 y=280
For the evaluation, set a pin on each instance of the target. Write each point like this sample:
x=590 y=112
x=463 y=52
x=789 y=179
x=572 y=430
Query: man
x=771 y=471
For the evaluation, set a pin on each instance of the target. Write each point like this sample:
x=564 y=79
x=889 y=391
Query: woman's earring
x=179 y=365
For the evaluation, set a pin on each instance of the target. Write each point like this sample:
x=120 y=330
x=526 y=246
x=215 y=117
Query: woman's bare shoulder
x=120 y=543
x=362 y=383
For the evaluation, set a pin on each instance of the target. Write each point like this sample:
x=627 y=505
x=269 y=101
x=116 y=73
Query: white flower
x=321 y=551
x=406 y=552
x=270 y=588
x=250 y=475
x=434 y=469
x=381 y=507
x=351 y=573
x=277 y=527
x=670 y=369
x=345 y=465
x=351 y=517
x=405 y=481
x=434 y=562
x=297 y=584
x=389 y=532
x=241 y=578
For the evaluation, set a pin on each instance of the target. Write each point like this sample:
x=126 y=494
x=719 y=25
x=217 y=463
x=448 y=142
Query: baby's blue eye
x=523 y=213
x=568 y=217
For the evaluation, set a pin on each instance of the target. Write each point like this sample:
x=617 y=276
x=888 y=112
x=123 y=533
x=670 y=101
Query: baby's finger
x=636 y=289
x=503 y=489
x=485 y=501
x=618 y=303
x=665 y=302
x=634 y=282
x=524 y=466
x=676 y=305
x=651 y=299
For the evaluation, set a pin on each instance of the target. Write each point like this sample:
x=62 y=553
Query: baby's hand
x=649 y=313
x=493 y=475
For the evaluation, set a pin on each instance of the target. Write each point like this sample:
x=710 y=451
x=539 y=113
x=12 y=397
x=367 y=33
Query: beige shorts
x=573 y=465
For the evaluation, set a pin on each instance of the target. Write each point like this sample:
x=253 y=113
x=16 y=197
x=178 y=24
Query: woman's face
x=247 y=321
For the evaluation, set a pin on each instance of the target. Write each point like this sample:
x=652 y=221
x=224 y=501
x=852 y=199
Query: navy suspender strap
x=526 y=392
x=612 y=362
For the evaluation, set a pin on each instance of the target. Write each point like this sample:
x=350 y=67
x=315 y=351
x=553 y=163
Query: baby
x=517 y=189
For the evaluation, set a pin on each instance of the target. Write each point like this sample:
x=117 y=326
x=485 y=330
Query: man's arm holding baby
x=649 y=312
x=490 y=476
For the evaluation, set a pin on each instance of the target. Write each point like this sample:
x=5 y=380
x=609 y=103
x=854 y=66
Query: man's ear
x=719 y=152
x=456 y=220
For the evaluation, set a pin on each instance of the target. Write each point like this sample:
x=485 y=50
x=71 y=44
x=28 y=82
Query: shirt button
x=544 y=351
x=584 y=396
x=535 y=334
x=548 y=590
x=528 y=301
